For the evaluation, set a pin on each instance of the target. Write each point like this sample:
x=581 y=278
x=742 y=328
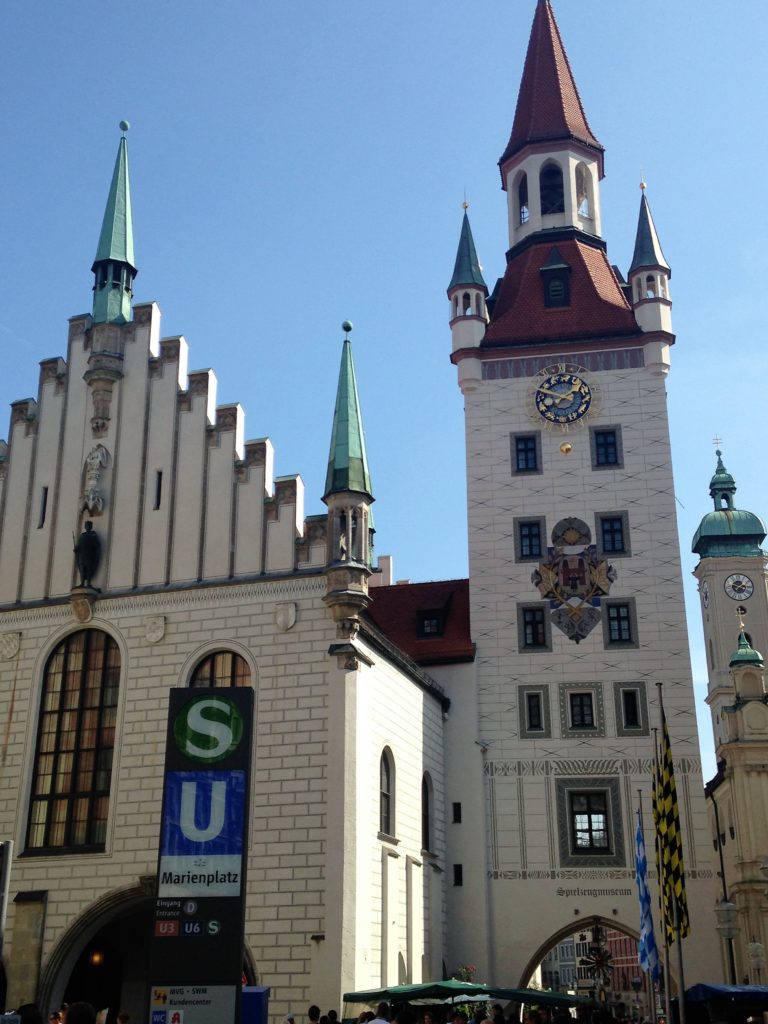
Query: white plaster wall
x=15 y=497
x=526 y=884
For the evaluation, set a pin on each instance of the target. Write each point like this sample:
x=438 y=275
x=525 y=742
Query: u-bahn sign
x=196 y=959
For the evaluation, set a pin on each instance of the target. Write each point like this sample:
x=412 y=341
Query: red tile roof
x=398 y=612
x=548 y=104
x=597 y=307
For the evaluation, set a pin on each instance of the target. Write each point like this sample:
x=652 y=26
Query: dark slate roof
x=398 y=611
x=548 y=105
x=647 y=245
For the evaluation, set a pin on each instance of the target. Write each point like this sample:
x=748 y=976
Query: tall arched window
x=426 y=812
x=551 y=189
x=522 y=200
x=222 y=668
x=75 y=741
x=582 y=190
x=387 y=793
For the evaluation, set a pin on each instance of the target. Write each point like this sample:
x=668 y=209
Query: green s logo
x=208 y=729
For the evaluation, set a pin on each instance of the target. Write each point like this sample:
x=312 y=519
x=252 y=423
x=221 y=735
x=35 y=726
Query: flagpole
x=651 y=983
x=660 y=880
x=675 y=880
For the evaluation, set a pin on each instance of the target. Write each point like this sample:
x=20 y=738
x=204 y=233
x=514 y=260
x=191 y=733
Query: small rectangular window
x=158 y=488
x=431 y=624
x=534 y=719
x=630 y=703
x=606 y=451
x=534 y=629
x=457 y=814
x=612 y=534
x=525 y=453
x=530 y=539
x=458 y=874
x=589 y=823
x=582 y=710
x=43 y=508
x=619 y=624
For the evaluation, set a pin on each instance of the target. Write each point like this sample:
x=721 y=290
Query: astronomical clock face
x=739 y=587
x=705 y=594
x=561 y=396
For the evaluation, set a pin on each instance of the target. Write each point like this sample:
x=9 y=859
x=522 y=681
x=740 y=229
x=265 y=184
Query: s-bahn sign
x=197 y=939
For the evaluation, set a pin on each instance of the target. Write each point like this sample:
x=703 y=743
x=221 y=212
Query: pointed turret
x=649 y=275
x=467 y=293
x=114 y=267
x=349 y=498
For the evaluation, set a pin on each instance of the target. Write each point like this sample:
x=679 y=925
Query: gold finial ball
x=465 y=204
x=643 y=185
x=566 y=447
x=124 y=126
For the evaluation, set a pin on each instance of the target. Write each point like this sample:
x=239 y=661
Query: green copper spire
x=114 y=266
x=647 y=245
x=347 y=461
x=467 y=269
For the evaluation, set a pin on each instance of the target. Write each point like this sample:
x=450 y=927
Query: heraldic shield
x=574 y=579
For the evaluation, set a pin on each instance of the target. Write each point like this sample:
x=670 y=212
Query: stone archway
x=119 y=926
x=571 y=929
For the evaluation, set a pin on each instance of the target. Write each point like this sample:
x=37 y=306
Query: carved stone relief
x=93 y=498
x=154 y=628
x=9 y=645
x=285 y=615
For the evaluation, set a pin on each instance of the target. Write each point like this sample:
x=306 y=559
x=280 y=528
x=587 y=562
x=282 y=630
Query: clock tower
x=575 y=577
x=732 y=574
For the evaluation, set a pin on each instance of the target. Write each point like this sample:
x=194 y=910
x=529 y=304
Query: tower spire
x=549 y=108
x=647 y=254
x=347 y=459
x=114 y=267
x=467 y=269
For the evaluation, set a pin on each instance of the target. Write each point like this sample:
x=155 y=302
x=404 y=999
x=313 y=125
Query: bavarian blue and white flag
x=647 y=953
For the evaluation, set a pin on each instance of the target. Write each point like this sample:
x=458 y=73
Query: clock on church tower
x=732 y=586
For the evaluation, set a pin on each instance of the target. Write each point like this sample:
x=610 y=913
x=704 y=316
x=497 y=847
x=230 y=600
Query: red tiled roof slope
x=597 y=307
x=548 y=104
x=397 y=611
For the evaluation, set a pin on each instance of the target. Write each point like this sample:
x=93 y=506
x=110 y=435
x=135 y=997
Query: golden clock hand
x=559 y=395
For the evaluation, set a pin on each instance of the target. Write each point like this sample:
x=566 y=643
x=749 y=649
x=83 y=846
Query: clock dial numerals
x=739 y=587
x=561 y=396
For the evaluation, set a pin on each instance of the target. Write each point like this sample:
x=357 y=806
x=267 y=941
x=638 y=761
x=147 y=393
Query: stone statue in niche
x=87 y=554
x=93 y=496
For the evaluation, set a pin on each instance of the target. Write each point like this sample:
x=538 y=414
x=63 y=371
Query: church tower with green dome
x=732 y=577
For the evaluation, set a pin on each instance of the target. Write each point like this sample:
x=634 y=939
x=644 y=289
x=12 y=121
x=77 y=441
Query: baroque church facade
x=385 y=845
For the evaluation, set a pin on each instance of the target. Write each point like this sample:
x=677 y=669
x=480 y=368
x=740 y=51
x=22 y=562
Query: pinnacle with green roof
x=745 y=655
x=114 y=266
x=467 y=270
x=728 y=531
x=347 y=460
x=647 y=246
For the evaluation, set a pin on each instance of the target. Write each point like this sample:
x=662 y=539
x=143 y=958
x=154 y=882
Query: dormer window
x=431 y=624
x=556 y=278
x=551 y=189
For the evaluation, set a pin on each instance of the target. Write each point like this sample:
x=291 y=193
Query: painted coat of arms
x=574 y=579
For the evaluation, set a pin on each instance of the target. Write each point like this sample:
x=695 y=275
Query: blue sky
x=296 y=164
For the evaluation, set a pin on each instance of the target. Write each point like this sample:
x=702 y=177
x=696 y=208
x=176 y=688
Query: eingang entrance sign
x=196 y=959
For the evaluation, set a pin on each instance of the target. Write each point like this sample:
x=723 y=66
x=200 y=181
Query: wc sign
x=199 y=914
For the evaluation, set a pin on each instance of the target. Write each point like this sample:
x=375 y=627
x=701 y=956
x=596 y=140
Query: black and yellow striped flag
x=667 y=816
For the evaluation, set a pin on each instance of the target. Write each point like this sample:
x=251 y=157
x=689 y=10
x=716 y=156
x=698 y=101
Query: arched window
x=650 y=287
x=466 y=303
x=387 y=794
x=551 y=189
x=522 y=200
x=75 y=740
x=426 y=812
x=221 y=668
x=582 y=191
